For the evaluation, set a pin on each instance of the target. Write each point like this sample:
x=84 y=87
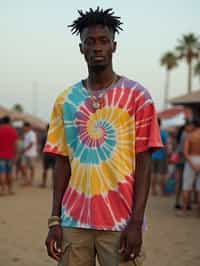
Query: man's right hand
x=54 y=242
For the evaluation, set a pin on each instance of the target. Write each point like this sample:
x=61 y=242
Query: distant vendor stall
x=189 y=101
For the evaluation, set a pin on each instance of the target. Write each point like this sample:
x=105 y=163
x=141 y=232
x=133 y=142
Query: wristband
x=53 y=220
x=53 y=224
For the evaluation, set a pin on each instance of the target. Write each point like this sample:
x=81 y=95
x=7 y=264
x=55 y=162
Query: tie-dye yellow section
x=56 y=140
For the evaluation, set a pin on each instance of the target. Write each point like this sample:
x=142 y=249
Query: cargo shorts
x=81 y=247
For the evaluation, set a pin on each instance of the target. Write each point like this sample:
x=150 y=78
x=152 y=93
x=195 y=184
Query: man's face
x=26 y=129
x=97 y=45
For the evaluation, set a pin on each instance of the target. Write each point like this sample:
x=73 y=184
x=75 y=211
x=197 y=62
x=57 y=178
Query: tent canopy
x=18 y=117
x=187 y=99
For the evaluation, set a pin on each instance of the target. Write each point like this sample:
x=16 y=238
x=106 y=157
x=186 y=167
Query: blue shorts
x=5 y=166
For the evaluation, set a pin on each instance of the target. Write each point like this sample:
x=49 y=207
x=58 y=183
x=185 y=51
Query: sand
x=169 y=241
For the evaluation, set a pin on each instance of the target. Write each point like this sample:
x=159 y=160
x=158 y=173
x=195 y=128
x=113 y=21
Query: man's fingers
x=122 y=247
x=127 y=253
x=131 y=252
x=52 y=252
x=122 y=244
x=57 y=246
x=135 y=252
x=47 y=243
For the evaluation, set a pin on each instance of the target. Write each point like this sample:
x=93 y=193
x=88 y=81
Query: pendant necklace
x=97 y=100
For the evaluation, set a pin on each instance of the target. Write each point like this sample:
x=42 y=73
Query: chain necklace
x=97 y=101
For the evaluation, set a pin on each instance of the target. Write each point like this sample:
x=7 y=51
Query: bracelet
x=53 y=224
x=53 y=220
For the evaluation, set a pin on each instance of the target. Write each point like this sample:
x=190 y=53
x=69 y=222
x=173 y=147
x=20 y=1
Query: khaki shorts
x=28 y=161
x=80 y=247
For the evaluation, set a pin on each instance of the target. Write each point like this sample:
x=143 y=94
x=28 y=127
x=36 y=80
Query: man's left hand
x=131 y=241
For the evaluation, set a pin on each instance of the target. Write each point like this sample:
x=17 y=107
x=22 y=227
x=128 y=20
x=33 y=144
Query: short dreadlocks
x=94 y=17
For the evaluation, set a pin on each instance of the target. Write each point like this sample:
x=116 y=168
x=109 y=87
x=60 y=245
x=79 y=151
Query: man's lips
x=98 y=58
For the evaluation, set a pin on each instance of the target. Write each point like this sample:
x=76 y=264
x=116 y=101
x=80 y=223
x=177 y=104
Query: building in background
x=189 y=101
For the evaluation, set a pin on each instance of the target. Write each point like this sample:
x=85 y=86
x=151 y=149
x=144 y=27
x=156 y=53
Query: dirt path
x=170 y=240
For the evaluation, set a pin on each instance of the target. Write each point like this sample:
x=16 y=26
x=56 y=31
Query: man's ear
x=114 y=46
x=81 y=47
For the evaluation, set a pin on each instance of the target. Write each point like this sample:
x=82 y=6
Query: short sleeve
x=56 y=139
x=164 y=137
x=147 y=132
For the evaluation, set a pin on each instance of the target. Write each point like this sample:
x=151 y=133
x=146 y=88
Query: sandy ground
x=169 y=241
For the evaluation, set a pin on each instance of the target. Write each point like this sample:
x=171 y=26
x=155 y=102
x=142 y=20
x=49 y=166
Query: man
x=29 y=154
x=18 y=156
x=181 y=136
x=191 y=173
x=8 y=138
x=102 y=130
x=159 y=165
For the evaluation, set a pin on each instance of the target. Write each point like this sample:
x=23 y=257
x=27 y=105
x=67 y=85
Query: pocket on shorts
x=65 y=247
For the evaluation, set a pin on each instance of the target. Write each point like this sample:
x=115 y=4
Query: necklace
x=97 y=101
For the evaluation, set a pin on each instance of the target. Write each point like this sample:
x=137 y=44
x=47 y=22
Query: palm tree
x=189 y=48
x=168 y=60
x=197 y=71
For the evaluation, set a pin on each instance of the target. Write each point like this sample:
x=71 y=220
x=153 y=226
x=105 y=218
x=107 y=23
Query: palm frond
x=188 y=46
x=169 y=60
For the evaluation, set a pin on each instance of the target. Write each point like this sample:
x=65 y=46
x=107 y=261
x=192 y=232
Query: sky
x=39 y=57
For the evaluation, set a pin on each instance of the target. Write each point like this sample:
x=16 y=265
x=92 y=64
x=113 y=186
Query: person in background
x=102 y=131
x=180 y=139
x=48 y=160
x=18 y=157
x=159 y=165
x=8 y=138
x=191 y=174
x=29 y=154
x=172 y=159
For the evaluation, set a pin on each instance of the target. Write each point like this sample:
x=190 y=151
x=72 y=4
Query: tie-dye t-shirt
x=102 y=145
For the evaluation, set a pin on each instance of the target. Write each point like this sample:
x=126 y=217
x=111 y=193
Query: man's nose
x=97 y=47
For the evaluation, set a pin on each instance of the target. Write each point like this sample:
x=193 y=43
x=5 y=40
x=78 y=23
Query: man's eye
x=89 y=42
x=104 y=41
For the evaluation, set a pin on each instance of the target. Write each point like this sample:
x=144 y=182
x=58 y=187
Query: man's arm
x=186 y=152
x=131 y=238
x=142 y=185
x=28 y=147
x=61 y=178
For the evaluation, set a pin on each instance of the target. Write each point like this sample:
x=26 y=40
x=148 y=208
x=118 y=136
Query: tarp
x=175 y=121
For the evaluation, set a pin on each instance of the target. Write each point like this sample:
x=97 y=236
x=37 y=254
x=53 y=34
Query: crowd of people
x=20 y=149
x=176 y=167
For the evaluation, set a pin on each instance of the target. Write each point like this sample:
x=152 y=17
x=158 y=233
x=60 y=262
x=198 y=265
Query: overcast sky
x=39 y=57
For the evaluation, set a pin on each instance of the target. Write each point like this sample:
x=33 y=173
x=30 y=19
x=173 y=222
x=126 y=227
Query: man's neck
x=101 y=79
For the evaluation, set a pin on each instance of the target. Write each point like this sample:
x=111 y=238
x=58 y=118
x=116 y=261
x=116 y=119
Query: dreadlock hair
x=94 y=17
